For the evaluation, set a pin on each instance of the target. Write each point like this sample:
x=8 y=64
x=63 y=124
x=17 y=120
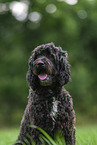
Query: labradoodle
x=49 y=106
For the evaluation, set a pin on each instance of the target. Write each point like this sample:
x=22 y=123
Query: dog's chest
x=46 y=110
x=54 y=110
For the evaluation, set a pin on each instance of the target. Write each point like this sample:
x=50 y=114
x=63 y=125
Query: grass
x=8 y=136
x=86 y=135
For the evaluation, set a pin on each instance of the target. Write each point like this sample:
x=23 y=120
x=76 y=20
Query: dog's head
x=44 y=69
x=48 y=66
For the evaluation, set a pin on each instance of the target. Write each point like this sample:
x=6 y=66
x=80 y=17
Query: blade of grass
x=45 y=139
x=59 y=138
x=26 y=141
x=19 y=142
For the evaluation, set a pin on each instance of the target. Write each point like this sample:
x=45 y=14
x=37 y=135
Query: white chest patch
x=54 y=110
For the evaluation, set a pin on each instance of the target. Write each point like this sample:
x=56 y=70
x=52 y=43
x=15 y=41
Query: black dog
x=50 y=105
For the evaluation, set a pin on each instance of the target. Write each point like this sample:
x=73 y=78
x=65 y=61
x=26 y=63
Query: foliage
x=44 y=138
x=73 y=27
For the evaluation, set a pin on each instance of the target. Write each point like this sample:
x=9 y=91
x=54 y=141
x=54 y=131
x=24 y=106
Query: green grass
x=86 y=135
x=8 y=136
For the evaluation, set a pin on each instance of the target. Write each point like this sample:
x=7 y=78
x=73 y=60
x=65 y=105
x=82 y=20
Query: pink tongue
x=42 y=76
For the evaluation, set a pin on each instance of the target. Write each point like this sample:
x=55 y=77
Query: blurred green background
x=25 y=24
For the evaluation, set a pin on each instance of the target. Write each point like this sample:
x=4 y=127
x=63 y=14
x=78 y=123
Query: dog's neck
x=49 y=91
x=45 y=94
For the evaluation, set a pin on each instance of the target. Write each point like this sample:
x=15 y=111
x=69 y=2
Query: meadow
x=86 y=135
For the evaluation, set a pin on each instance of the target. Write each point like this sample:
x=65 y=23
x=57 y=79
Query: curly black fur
x=50 y=105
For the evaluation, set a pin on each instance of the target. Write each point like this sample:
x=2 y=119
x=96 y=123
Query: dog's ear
x=64 y=69
x=29 y=75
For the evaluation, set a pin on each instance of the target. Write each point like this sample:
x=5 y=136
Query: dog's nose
x=40 y=63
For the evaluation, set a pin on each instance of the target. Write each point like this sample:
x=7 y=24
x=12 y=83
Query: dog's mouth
x=45 y=79
x=42 y=76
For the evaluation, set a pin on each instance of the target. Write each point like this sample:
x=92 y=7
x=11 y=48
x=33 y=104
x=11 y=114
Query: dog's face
x=48 y=66
x=44 y=69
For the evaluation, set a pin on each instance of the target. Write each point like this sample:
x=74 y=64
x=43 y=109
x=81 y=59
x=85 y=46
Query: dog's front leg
x=70 y=138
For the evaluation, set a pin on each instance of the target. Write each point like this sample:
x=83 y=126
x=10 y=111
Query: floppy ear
x=30 y=75
x=64 y=69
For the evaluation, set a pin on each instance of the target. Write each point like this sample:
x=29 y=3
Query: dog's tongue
x=42 y=76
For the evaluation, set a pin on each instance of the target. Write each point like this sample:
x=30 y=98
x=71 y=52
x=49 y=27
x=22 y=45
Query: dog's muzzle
x=43 y=69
